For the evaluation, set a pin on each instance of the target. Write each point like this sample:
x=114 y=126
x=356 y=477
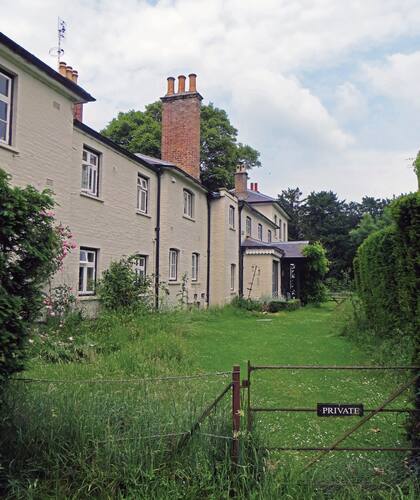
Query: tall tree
x=291 y=200
x=140 y=132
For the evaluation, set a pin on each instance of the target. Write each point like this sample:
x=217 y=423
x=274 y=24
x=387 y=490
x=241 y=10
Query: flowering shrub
x=59 y=302
x=32 y=249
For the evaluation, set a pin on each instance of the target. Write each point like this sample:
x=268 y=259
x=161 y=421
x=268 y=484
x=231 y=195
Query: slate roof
x=255 y=197
x=30 y=58
x=290 y=249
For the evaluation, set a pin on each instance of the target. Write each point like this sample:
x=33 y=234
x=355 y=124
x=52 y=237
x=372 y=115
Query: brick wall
x=181 y=130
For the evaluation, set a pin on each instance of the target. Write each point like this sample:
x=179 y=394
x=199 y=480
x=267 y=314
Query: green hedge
x=283 y=305
x=385 y=270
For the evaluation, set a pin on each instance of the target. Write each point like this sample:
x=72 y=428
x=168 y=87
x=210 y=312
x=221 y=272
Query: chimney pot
x=192 y=82
x=171 y=86
x=69 y=72
x=75 y=75
x=181 y=84
x=256 y=186
x=62 y=68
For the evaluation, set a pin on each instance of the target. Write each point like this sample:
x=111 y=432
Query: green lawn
x=67 y=416
x=308 y=336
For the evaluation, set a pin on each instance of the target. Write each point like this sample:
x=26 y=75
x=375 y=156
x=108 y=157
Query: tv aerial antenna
x=61 y=30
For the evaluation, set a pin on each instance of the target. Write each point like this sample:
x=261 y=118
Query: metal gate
x=357 y=410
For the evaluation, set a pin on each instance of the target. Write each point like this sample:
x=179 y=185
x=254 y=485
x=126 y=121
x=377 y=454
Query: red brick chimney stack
x=181 y=125
x=71 y=74
x=241 y=180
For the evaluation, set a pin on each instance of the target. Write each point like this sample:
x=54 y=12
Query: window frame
x=140 y=270
x=195 y=268
x=232 y=216
x=173 y=252
x=248 y=226
x=91 y=168
x=232 y=277
x=141 y=189
x=188 y=203
x=8 y=100
x=87 y=265
x=260 y=232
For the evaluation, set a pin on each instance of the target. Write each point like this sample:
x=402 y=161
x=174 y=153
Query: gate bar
x=278 y=448
x=330 y=367
x=383 y=410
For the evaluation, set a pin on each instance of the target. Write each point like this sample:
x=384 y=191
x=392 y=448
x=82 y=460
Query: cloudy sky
x=327 y=90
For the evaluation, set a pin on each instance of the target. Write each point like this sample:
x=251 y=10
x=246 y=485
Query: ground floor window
x=173 y=264
x=140 y=263
x=87 y=271
x=194 y=267
x=232 y=276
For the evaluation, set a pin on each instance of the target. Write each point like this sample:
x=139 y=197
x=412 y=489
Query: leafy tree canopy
x=323 y=217
x=140 y=132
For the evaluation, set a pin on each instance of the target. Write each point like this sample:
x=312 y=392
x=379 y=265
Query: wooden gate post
x=236 y=412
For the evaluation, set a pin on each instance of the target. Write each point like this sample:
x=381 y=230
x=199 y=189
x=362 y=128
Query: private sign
x=339 y=410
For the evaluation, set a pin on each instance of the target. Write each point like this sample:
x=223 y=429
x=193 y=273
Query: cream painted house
x=219 y=244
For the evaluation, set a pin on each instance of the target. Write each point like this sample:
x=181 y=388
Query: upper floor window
x=188 y=203
x=260 y=232
x=173 y=264
x=194 y=267
x=269 y=237
x=275 y=222
x=140 y=266
x=90 y=172
x=284 y=232
x=232 y=217
x=142 y=194
x=5 y=107
x=248 y=226
x=87 y=271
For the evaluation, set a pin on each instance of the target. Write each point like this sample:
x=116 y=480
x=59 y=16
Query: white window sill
x=195 y=283
x=143 y=214
x=7 y=147
x=91 y=196
x=87 y=296
x=173 y=282
x=188 y=218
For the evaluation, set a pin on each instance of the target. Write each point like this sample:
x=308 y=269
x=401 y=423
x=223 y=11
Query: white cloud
x=398 y=77
x=248 y=55
x=350 y=103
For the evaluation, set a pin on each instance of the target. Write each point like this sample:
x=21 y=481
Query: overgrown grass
x=79 y=440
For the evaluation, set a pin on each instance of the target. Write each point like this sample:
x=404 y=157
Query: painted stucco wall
x=110 y=223
x=258 y=275
x=224 y=249
x=255 y=220
x=269 y=210
x=42 y=133
x=183 y=234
